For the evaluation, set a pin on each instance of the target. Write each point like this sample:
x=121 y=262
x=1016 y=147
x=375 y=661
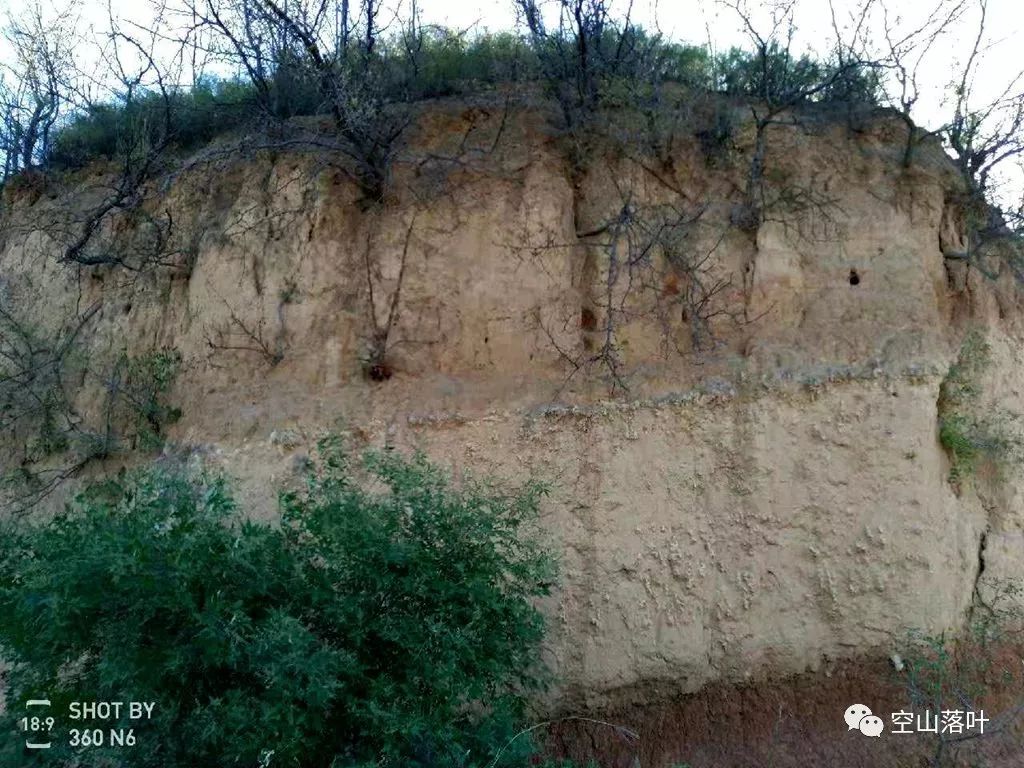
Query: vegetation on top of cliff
x=205 y=67
x=445 y=63
x=389 y=620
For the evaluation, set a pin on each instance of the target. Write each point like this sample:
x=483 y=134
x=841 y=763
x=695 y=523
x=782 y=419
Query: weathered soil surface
x=756 y=492
x=795 y=723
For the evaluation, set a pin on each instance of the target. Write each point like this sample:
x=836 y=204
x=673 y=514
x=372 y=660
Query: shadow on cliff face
x=793 y=723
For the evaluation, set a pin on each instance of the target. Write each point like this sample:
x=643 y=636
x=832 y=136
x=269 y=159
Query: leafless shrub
x=328 y=49
x=906 y=52
x=37 y=372
x=238 y=336
x=383 y=317
x=46 y=439
x=650 y=264
x=783 y=83
x=35 y=88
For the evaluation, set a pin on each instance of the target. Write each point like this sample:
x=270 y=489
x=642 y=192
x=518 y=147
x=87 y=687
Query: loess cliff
x=739 y=419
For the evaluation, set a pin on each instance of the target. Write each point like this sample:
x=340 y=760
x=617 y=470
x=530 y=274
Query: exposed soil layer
x=742 y=498
x=794 y=723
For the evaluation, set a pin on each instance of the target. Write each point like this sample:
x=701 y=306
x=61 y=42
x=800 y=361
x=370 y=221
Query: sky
x=712 y=21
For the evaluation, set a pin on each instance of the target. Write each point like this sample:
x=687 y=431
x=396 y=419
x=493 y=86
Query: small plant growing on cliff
x=35 y=367
x=146 y=381
x=959 y=672
x=45 y=439
x=972 y=438
x=961 y=385
x=237 y=335
x=389 y=619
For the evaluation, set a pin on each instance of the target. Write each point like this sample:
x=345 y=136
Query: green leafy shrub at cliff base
x=389 y=619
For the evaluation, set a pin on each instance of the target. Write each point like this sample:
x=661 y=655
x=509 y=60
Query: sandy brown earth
x=765 y=507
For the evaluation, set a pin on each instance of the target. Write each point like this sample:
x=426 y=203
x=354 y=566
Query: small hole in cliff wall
x=379 y=372
x=670 y=285
x=854 y=277
x=127 y=308
x=588 y=320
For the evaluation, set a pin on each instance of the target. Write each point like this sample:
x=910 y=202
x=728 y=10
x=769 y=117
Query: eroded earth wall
x=755 y=496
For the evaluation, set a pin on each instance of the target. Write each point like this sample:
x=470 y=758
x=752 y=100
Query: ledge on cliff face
x=740 y=421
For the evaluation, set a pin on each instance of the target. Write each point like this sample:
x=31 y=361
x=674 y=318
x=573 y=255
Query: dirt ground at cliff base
x=793 y=723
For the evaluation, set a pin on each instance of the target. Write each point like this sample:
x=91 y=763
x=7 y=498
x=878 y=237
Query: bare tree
x=652 y=264
x=906 y=54
x=576 y=54
x=983 y=132
x=984 y=136
x=781 y=80
x=585 y=55
x=34 y=89
x=329 y=48
x=143 y=88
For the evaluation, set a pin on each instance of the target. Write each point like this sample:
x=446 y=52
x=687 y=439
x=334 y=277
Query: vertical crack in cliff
x=749 y=277
x=588 y=267
x=587 y=491
x=588 y=325
x=976 y=598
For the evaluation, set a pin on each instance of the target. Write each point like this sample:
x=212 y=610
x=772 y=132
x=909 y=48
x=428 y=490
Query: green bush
x=209 y=109
x=778 y=76
x=147 y=380
x=971 y=435
x=448 y=63
x=388 y=620
x=957 y=435
x=961 y=386
x=959 y=431
x=960 y=670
